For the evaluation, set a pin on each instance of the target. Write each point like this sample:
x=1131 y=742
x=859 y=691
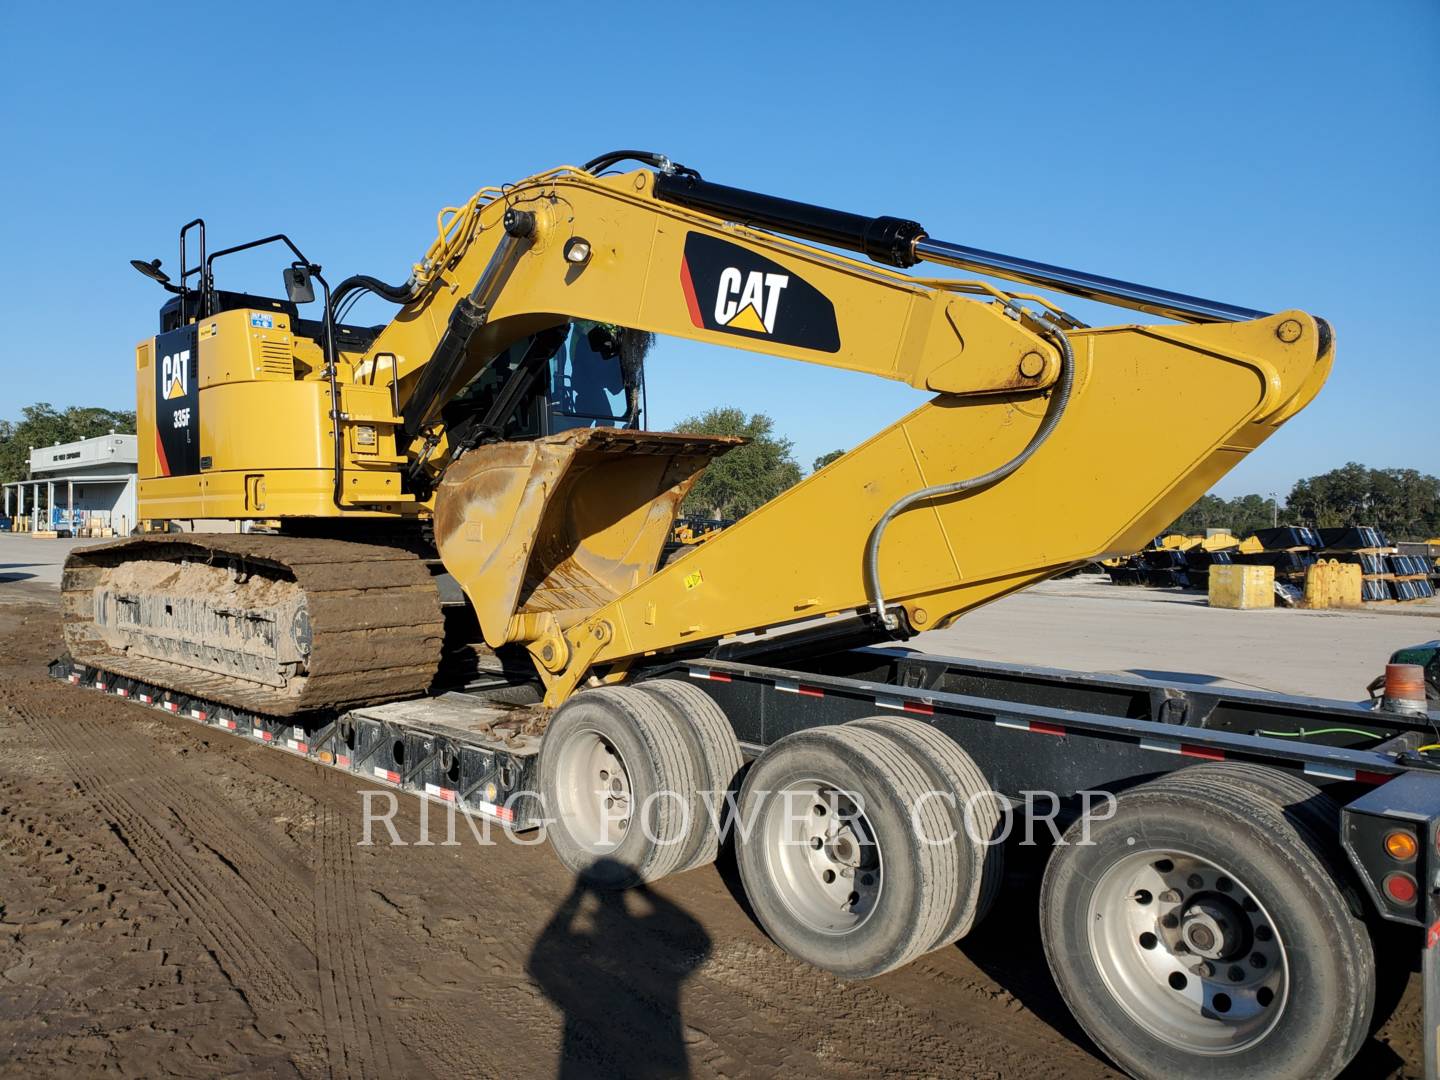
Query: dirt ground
x=177 y=902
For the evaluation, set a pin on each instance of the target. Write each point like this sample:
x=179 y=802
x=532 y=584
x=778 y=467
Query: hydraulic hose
x=1059 y=399
x=396 y=294
x=645 y=157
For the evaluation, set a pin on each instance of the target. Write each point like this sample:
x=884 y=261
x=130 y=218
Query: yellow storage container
x=1233 y=585
x=1330 y=584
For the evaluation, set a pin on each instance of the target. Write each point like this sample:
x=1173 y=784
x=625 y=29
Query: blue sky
x=1272 y=155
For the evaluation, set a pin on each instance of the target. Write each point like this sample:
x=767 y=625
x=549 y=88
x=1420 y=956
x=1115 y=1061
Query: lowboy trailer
x=1256 y=845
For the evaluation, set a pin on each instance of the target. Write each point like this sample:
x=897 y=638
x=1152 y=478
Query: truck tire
x=1201 y=933
x=714 y=757
x=975 y=818
x=829 y=853
x=618 y=786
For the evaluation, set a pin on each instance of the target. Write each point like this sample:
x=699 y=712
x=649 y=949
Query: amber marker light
x=1401 y=845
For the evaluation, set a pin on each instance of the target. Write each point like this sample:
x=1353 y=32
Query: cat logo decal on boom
x=733 y=290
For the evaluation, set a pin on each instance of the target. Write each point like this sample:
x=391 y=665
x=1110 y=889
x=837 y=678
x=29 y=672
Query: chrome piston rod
x=901 y=242
x=1162 y=302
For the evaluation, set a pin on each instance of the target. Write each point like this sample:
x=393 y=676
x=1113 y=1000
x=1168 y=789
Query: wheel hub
x=827 y=865
x=595 y=793
x=1214 y=928
x=1188 y=951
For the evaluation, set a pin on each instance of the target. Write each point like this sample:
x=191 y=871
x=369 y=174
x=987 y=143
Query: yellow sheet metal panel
x=276 y=493
x=245 y=345
x=266 y=425
x=145 y=408
x=1234 y=585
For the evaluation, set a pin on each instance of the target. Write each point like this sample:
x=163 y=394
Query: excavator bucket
x=542 y=533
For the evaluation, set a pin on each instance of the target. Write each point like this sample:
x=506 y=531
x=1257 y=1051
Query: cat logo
x=731 y=289
x=749 y=301
x=175 y=375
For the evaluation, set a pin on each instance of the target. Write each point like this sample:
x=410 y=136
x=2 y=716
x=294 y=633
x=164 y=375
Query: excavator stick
x=543 y=532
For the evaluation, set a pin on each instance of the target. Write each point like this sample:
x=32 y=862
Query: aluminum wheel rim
x=594 y=791
x=822 y=857
x=1186 y=949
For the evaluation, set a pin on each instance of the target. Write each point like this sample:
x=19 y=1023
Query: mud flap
x=544 y=532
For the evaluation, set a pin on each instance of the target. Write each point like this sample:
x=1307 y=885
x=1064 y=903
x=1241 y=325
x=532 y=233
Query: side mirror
x=298 y=286
x=151 y=270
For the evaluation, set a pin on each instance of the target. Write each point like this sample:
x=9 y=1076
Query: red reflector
x=717 y=676
x=919 y=707
x=1363 y=777
x=810 y=691
x=1206 y=752
x=1046 y=729
x=1401 y=888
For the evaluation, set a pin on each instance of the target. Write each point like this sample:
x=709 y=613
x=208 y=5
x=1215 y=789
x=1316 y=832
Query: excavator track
x=275 y=624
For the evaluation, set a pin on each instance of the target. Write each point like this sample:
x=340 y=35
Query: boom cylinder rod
x=1162 y=302
x=903 y=243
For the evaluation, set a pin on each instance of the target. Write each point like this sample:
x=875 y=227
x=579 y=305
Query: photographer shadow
x=614 y=966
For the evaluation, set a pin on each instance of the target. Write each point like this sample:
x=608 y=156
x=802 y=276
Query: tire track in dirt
x=66 y=880
x=343 y=958
x=248 y=959
x=285 y=918
x=358 y=1037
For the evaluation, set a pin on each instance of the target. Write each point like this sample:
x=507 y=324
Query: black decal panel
x=733 y=290
x=177 y=402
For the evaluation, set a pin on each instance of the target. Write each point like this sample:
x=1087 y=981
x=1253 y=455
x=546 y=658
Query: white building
x=73 y=485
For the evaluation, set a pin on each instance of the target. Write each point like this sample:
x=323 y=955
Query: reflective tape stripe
x=713 y=676
x=791 y=686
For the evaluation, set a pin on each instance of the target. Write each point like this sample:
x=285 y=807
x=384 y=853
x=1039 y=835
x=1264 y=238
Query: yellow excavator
x=478 y=437
x=473 y=479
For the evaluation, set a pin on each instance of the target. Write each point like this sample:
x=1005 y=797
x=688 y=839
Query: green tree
x=826 y=459
x=1405 y=503
x=1242 y=515
x=748 y=476
x=42 y=425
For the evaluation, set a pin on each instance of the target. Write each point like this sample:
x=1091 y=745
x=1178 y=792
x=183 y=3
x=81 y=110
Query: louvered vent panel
x=276 y=361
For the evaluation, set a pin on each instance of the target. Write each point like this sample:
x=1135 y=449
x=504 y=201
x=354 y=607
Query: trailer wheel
x=617 y=784
x=830 y=852
x=1201 y=933
x=975 y=816
x=714 y=757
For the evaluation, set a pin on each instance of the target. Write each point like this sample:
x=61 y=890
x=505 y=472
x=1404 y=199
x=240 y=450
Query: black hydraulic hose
x=358 y=283
x=1059 y=399
x=645 y=157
